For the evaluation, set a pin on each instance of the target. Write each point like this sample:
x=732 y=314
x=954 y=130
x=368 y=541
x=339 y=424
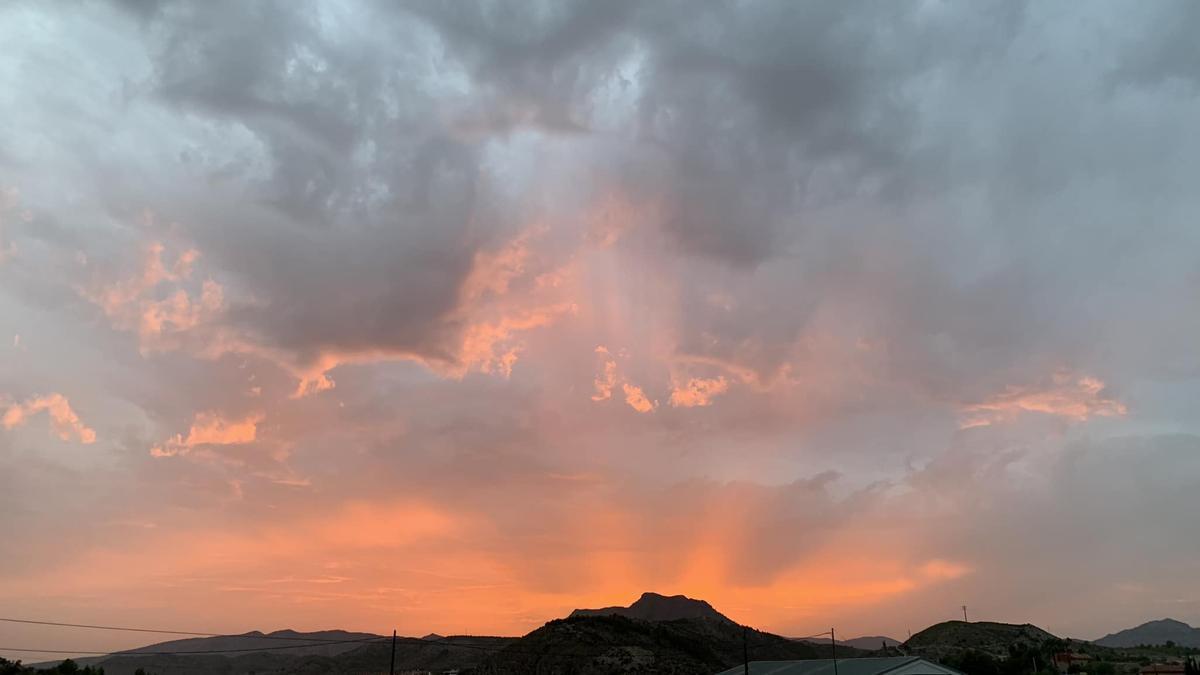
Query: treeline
x=1022 y=659
x=1039 y=660
x=67 y=667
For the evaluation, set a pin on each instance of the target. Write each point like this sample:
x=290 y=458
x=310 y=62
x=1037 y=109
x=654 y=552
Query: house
x=892 y=665
x=1163 y=669
x=1064 y=660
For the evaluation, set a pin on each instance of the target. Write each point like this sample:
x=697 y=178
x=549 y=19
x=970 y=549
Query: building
x=1163 y=669
x=1064 y=660
x=892 y=665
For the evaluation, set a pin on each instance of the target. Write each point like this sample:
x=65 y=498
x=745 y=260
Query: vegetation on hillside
x=612 y=644
x=985 y=648
x=67 y=667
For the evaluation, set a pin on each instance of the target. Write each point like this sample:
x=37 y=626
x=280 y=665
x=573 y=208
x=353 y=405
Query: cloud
x=64 y=420
x=1070 y=397
x=146 y=304
x=698 y=391
x=636 y=398
x=10 y=210
x=210 y=428
x=605 y=380
x=838 y=232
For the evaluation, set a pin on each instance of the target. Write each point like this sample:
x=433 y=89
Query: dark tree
x=12 y=667
x=974 y=662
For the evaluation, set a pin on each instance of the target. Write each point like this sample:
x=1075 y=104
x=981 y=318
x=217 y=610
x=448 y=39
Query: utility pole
x=746 y=650
x=392 y=667
x=833 y=644
x=965 y=614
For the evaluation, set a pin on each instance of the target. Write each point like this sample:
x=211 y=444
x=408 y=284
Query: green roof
x=898 y=665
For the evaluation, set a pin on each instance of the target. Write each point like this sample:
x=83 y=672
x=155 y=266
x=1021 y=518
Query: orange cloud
x=605 y=382
x=608 y=379
x=636 y=398
x=209 y=428
x=488 y=346
x=492 y=272
x=66 y=423
x=1074 y=399
x=781 y=376
x=503 y=297
x=698 y=391
x=132 y=305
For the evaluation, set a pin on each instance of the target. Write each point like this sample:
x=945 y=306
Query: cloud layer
x=827 y=313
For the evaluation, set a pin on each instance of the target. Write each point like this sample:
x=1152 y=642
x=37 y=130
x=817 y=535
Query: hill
x=611 y=644
x=655 y=607
x=287 y=643
x=951 y=638
x=870 y=642
x=1154 y=633
x=866 y=643
x=290 y=642
x=433 y=653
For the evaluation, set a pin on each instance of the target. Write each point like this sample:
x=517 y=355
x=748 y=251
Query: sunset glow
x=454 y=317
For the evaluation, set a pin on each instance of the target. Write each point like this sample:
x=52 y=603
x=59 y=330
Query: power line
x=177 y=632
x=135 y=652
x=309 y=641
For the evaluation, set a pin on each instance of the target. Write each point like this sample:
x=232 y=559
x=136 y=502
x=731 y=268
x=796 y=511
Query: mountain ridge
x=1156 y=632
x=991 y=637
x=868 y=643
x=657 y=607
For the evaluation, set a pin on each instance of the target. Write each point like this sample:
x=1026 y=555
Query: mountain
x=288 y=642
x=866 y=643
x=431 y=653
x=1153 y=633
x=954 y=637
x=869 y=642
x=611 y=644
x=655 y=607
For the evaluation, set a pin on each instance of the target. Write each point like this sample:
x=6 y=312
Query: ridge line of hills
x=656 y=633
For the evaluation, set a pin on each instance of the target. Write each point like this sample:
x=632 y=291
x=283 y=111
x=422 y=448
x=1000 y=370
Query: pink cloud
x=637 y=399
x=505 y=296
x=605 y=381
x=209 y=428
x=133 y=304
x=698 y=391
x=1072 y=398
x=66 y=423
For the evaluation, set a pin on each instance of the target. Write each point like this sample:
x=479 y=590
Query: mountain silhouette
x=656 y=607
x=868 y=643
x=1153 y=633
x=955 y=637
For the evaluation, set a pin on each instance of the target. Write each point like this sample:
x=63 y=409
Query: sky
x=453 y=317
